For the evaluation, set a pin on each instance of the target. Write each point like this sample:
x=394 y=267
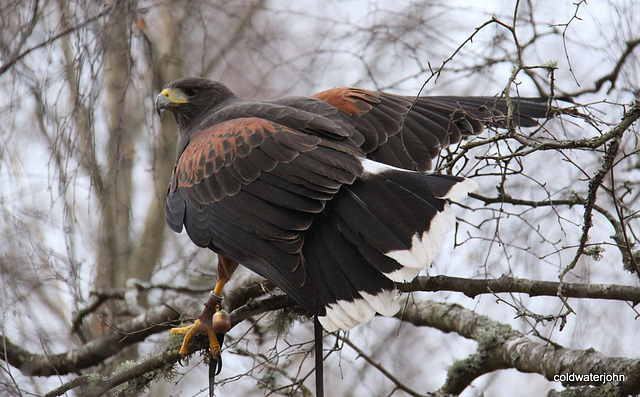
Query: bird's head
x=189 y=97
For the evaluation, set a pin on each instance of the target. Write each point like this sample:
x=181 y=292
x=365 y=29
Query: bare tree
x=540 y=278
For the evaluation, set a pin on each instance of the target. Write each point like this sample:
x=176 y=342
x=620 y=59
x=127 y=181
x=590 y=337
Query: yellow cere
x=175 y=96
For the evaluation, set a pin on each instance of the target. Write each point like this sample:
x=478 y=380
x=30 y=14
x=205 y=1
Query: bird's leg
x=212 y=320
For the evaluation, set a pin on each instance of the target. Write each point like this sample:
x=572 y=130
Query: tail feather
x=384 y=228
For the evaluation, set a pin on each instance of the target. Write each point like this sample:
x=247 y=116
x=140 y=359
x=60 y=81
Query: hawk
x=325 y=196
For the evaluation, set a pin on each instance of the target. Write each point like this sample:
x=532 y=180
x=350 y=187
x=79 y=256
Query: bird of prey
x=325 y=196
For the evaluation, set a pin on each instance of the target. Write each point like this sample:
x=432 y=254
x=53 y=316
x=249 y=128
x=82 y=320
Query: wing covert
x=250 y=188
x=223 y=157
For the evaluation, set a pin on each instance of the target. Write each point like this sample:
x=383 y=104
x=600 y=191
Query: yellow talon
x=190 y=331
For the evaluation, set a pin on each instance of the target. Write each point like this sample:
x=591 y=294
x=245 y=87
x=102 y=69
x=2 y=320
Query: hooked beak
x=162 y=102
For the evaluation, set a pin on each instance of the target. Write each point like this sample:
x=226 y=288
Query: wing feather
x=249 y=188
x=408 y=132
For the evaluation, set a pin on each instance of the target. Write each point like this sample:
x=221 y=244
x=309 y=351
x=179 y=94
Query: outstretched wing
x=248 y=188
x=409 y=132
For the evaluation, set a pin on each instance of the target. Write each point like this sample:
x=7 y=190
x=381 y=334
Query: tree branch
x=399 y=385
x=94 y=352
x=165 y=360
x=169 y=356
x=18 y=56
x=506 y=284
x=163 y=317
x=612 y=76
x=630 y=117
x=499 y=345
x=508 y=348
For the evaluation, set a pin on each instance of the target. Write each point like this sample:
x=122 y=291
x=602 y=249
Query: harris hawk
x=325 y=196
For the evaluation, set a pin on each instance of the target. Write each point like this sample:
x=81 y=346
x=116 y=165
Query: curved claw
x=219 y=364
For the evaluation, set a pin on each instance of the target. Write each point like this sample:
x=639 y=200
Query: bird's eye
x=190 y=92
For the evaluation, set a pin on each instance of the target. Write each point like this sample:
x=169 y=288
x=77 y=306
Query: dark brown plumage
x=324 y=196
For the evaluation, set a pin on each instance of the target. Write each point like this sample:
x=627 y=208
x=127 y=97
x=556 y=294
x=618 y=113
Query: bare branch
x=94 y=352
x=16 y=57
x=156 y=320
x=507 y=348
x=618 y=131
x=505 y=284
x=612 y=77
x=399 y=384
